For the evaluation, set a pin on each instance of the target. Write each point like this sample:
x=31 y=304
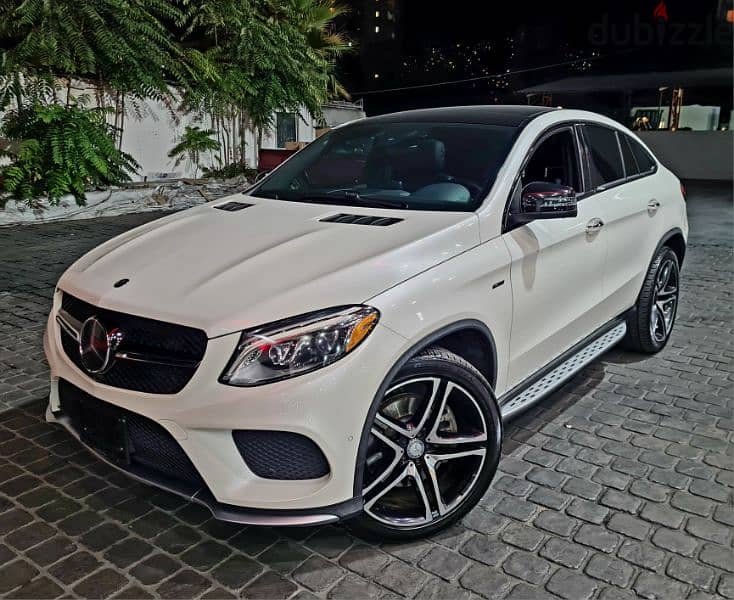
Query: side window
x=630 y=163
x=605 y=162
x=555 y=160
x=645 y=162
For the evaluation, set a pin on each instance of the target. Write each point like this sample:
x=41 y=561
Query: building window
x=377 y=29
x=285 y=128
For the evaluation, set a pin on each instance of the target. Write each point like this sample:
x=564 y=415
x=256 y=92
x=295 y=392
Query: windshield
x=419 y=166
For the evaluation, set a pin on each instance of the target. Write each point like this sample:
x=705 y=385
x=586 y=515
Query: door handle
x=653 y=206
x=594 y=225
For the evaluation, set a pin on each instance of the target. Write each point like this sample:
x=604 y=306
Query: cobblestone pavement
x=618 y=485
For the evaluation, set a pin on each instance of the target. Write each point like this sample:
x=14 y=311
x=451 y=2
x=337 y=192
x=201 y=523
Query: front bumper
x=329 y=406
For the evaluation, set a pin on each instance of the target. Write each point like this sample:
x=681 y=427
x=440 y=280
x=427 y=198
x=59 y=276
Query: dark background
x=425 y=42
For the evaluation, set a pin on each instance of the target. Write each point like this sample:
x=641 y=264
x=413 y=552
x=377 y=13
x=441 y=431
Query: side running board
x=525 y=397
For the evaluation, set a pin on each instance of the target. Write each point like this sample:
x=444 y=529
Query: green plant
x=120 y=45
x=231 y=170
x=61 y=150
x=194 y=142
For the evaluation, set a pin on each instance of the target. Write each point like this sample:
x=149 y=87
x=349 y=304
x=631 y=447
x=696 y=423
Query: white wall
x=694 y=154
x=695 y=116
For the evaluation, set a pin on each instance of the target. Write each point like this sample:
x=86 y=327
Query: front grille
x=280 y=454
x=124 y=437
x=143 y=336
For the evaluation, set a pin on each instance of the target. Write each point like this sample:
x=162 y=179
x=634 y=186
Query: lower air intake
x=280 y=454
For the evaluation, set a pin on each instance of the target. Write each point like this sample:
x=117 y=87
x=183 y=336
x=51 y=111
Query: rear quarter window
x=605 y=159
x=645 y=162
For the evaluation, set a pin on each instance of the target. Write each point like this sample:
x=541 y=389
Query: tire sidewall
x=463 y=374
x=647 y=298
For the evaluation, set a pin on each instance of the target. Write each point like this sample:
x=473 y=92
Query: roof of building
x=514 y=116
x=635 y=81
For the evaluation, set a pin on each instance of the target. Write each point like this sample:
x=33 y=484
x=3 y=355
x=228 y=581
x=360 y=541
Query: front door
x=557 y=264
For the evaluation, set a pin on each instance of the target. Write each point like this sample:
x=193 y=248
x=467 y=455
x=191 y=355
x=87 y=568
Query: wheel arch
x=448 y=335
x=676 y=242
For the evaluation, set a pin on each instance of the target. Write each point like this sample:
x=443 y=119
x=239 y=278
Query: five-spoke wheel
x=433 y=446
x=648 y=329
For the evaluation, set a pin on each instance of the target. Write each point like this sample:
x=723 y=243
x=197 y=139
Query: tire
x=448 y=410
x=650 y=324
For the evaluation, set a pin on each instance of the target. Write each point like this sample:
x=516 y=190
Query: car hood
x=226 y=271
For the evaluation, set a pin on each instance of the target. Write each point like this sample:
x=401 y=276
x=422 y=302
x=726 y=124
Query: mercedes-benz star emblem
x=97 y=346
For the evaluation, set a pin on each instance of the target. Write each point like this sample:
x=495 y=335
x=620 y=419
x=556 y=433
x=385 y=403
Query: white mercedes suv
x=346 y=338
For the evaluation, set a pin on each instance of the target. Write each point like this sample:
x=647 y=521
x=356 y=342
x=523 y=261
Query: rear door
x=619 y=173
x=556 y=264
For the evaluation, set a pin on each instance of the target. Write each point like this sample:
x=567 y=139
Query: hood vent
x=232 y=206
x=361 y=220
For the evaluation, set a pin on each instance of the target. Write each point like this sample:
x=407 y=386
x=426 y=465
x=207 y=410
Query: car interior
x=554 y=161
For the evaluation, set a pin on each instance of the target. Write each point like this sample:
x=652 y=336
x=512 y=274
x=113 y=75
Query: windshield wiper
x=349 y=197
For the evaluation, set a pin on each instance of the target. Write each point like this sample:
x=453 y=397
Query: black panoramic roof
x=509 y=115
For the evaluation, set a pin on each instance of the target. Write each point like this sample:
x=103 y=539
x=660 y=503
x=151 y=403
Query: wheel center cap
x=415 y=449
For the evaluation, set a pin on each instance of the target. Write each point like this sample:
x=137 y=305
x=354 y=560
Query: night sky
x=434 y=39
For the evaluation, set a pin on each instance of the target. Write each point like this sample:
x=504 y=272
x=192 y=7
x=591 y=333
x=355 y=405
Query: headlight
x=298 y=345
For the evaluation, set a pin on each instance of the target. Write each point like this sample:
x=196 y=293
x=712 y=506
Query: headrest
x=428 y=155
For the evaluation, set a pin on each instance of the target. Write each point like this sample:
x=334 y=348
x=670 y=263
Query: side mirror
x=541 y=200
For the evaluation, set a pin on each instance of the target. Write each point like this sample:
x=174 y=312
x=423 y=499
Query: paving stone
x=610 y=570
x=486 y=550
x=587 y=511
x=154 y=569
x=690 y=571
x=597 y=537
x=564 y=553
x=185 y=584
x=352 y=586
x=655 y=587
x=101 y=584
x=51 y=550
x=708 y=530
x=527 y=567
x=555 y=522
x=486 y=582
x=663 y=515
x=30 y=535
x=15 y=574
x=401 y=578
x=127 y=552
x=41 y=587
x=642 y=554
x=442 y=562
x=236 y=571
x=367 y=561
x=720 y=557
x=317 y=574
x=549 y=498
x=726 y=586
x=675 y=541
x=515 y=508
x=692 y=504
x=629 y=526
x=521 y=536
x=484 y=521
x=437 y=589
x=621 y=501
x=571 y=586
x=270 y=586
x=74 y=567
x=284 y=556
x=205 y=555
x=330 y=541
